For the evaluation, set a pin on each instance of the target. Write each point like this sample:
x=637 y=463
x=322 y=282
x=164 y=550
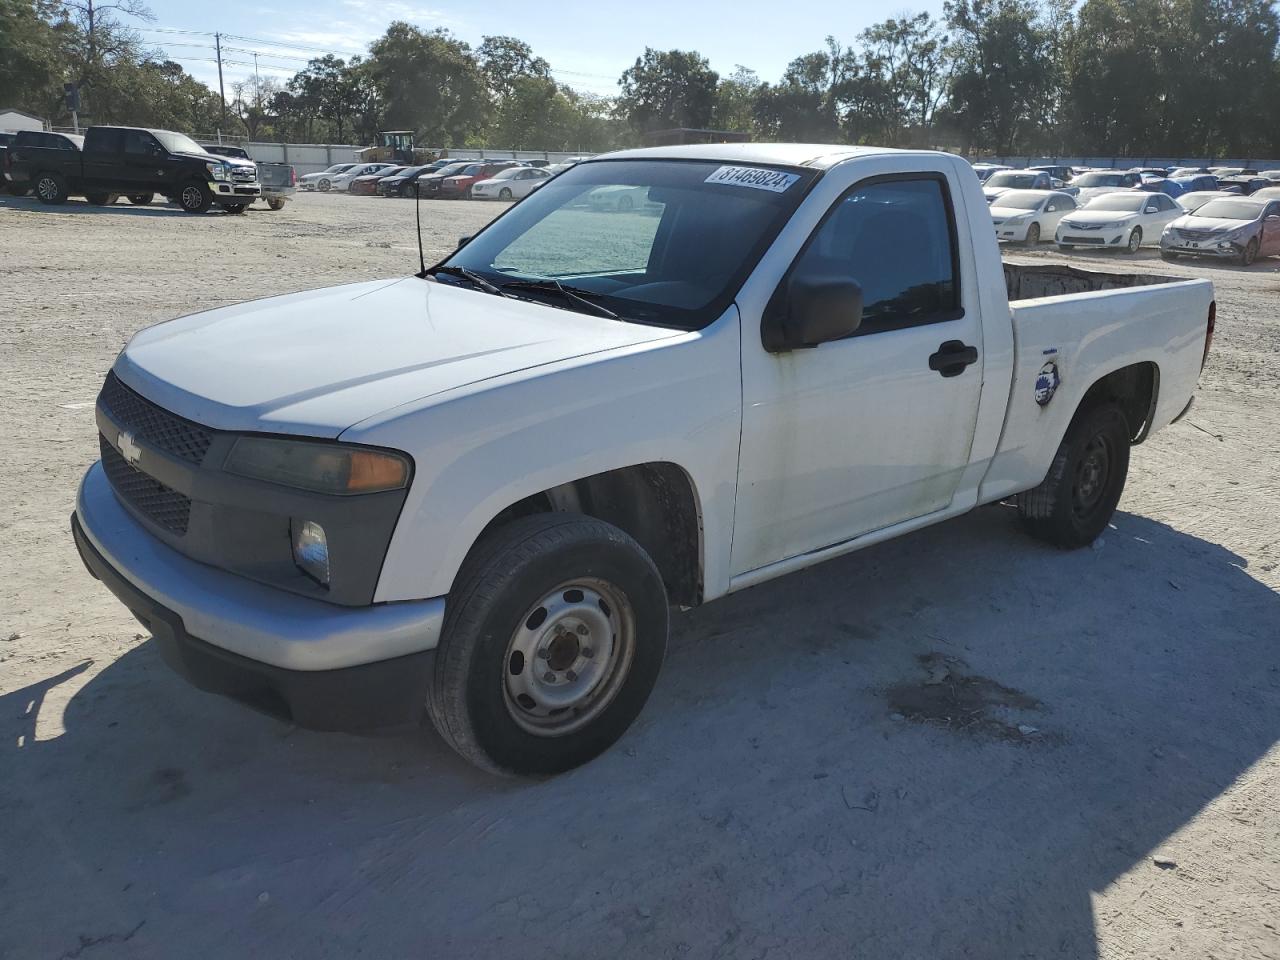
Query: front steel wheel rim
x=191 y=197
x=568 y=657
x=1093 y=471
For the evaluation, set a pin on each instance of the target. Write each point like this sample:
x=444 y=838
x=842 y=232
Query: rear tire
x=102 y=199
x=17 y=189
x=1075 y=501
x=275 y=203
x=141 y=199
x=554 y=634
x=51 y=188
x=195 y=198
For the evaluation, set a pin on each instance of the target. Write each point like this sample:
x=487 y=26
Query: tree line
x=1049 y=77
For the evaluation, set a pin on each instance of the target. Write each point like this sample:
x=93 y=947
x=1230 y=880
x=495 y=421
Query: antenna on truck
x=417 y=216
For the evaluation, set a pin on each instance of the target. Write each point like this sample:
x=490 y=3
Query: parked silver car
x=1233 y=228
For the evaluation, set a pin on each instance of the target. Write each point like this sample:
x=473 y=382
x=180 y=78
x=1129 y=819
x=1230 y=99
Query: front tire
x=1249 y=253
x=504 y=193
x=554 y=635
x=323 y=186
x=234 y=207
x=1033 y=236
x=195 y=198
x=1135 y=240
x=1075 y=501
x=51 y=188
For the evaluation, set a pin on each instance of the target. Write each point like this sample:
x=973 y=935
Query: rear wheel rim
x=1092 y=477
x=47 y=188
x=568 y=657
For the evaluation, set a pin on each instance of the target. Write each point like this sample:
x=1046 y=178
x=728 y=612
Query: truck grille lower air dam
x=172 y=434
x=161 y=505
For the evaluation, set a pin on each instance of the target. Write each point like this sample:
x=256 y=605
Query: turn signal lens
x=375 y=471
x=333 y=468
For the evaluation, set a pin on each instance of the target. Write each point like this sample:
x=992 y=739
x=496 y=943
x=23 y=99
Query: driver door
x=861 y=433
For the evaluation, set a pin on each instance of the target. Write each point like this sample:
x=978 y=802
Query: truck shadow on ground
x=771 y=795
x=157 y=208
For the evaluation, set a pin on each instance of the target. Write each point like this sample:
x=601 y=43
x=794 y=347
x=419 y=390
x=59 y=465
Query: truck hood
x=316 y=363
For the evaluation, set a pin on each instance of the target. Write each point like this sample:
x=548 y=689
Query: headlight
x=311 y=550
x=217 y=171
x=333 y=468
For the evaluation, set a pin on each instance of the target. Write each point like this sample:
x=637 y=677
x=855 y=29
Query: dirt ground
x=957 y=744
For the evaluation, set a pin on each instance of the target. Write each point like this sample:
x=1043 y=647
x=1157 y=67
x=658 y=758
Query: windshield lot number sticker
x=773 y=180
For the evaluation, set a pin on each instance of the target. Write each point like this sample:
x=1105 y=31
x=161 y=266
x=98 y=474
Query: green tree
x=505 y=60
x=668 y=88
x=322 y=91
x=430 y=82
x=735 y=101
x=30 y=44
x=1002 y=71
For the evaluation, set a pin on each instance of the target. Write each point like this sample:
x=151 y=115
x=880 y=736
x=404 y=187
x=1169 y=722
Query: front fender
x=481 y=448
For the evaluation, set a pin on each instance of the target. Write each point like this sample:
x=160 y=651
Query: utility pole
x=217 y=41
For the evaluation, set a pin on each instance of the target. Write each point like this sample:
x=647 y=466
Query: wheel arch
x=655 y=502
x=1135 y=389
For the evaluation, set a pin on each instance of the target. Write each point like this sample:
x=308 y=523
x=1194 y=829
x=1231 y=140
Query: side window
x=897 y=239
x=139 y=143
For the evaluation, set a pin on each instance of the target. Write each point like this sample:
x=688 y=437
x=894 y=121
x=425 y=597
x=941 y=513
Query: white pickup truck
x=474 y=493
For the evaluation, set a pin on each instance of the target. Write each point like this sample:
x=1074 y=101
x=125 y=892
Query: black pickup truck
x=138 y=164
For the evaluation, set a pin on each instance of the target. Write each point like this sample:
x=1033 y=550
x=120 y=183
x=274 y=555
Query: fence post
x=328 y=155
x=286 y=152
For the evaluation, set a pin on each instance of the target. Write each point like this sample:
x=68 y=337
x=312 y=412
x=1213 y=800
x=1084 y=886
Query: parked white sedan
x=1024 y=216
x=510 y=184
x=343 y=180
x=324 y=179
x=1126 y=220
x=1097 y=183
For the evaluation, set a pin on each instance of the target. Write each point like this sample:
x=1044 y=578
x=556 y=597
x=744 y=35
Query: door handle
x=952 y=357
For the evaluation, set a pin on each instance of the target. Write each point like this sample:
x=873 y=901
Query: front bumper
x=376 y=696
x=244 y=616
x=1202 y=248
x=229 y=191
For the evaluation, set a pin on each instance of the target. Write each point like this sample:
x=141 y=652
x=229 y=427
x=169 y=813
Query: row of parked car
x=108 y=163
x=443 y=179
x=1220 y=213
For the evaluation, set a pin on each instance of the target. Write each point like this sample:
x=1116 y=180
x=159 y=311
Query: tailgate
x=275 y=174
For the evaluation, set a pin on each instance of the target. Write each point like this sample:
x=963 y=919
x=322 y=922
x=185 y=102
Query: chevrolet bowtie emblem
x=128 y=449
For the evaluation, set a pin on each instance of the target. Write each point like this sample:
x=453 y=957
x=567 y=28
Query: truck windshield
x=177 y=142
x=664 y=242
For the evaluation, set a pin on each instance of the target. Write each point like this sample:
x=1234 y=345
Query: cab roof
x=817 y=155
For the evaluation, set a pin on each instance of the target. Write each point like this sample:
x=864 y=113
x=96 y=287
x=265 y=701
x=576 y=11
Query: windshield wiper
x=473 y=278
x=575 y=295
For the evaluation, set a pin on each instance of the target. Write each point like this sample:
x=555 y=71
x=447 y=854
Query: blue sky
x=588 y=43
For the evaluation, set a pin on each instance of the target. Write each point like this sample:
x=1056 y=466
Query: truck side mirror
x=817 y=307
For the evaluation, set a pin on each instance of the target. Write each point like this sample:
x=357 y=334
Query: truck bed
x=1077 y=326
x=1025 y=282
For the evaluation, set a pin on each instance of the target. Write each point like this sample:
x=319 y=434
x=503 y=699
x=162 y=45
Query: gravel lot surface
x=1107 y=785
